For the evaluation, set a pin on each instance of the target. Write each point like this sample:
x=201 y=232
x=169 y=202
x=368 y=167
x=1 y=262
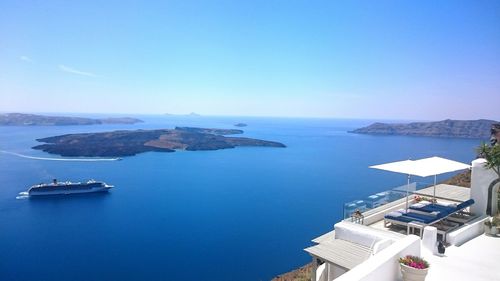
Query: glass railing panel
x=381 y=198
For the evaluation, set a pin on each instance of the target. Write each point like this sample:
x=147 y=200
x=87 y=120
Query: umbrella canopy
x=436 y=165
x=431 y=166
x=403 y=167
x=407 y=167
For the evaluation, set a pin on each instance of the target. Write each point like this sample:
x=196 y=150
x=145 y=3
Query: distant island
x=132 y=142
x=192 y=114
x=477 y=129
x=240 y=125
x=21 y=119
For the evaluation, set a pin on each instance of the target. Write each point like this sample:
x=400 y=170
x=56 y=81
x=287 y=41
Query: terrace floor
x=476 y=260
x=447 y=192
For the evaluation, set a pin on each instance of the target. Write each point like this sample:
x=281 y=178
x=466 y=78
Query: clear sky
x=424 y=60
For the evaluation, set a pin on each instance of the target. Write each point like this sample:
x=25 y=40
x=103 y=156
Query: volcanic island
x=131 y=142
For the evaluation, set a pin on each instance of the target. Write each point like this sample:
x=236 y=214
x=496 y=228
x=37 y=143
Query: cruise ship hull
x=68 y=188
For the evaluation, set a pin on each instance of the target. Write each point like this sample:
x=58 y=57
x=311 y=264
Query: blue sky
x=422 y=60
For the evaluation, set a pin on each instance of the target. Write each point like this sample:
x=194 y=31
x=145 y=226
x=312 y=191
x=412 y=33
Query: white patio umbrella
x=423 y=168
x=436 y=166
x=403 y=167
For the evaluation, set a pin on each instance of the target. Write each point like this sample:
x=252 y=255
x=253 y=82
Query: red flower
x=415 y=262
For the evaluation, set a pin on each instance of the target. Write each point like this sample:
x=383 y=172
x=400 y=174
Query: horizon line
x=195 y=115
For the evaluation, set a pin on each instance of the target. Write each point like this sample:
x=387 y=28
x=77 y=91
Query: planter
x=413 y=274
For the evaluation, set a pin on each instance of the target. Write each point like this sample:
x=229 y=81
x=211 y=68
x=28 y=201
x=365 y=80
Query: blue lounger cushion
x=409 y=217
x=421 y=204
x=434 y=208
x=394 y=214
x=442 y=208
x=423 y=218
x=400 y=218
x=465 y=204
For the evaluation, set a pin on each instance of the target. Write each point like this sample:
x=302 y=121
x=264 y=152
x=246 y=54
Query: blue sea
x=234 y=214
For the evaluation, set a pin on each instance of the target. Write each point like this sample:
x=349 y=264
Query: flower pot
x=413 y=274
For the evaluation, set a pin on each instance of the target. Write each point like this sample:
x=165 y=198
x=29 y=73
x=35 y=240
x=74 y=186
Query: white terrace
x=365 y=249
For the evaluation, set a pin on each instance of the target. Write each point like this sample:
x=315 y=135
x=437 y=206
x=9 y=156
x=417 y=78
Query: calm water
x=236 y=214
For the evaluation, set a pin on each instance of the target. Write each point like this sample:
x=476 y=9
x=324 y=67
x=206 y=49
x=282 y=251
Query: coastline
x=302 y=273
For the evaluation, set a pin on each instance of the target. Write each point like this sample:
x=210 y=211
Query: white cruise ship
x=56 y=188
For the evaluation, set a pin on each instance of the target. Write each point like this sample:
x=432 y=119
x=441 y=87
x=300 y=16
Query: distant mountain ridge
x=21 y=119
x=477 y=129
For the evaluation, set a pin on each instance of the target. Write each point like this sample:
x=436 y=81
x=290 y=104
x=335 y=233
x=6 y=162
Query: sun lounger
x=428 y=217
x=424 y=215
x=461 y=217
x=403 y=218
x=409 y=220
x=449 y=209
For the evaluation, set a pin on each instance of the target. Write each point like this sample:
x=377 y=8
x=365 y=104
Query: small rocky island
x=240 y=125
x=21 y=119
x=132 y=142
x=477 y=129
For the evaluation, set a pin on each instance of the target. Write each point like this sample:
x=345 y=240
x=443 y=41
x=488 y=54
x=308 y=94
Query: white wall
x=321 y=273
x=480 y=181
x=334 y=271
x=384 y=265
x=468 y=231
x=328 y=271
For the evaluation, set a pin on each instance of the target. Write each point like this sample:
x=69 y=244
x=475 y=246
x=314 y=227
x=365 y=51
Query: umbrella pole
x=407 y=191
x=435 y=187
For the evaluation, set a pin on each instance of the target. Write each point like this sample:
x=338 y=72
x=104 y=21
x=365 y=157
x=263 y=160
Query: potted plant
x=492 y=156
x=413 y=268
x=419 y=199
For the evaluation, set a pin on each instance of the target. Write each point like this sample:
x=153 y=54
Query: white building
x=365 y=249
